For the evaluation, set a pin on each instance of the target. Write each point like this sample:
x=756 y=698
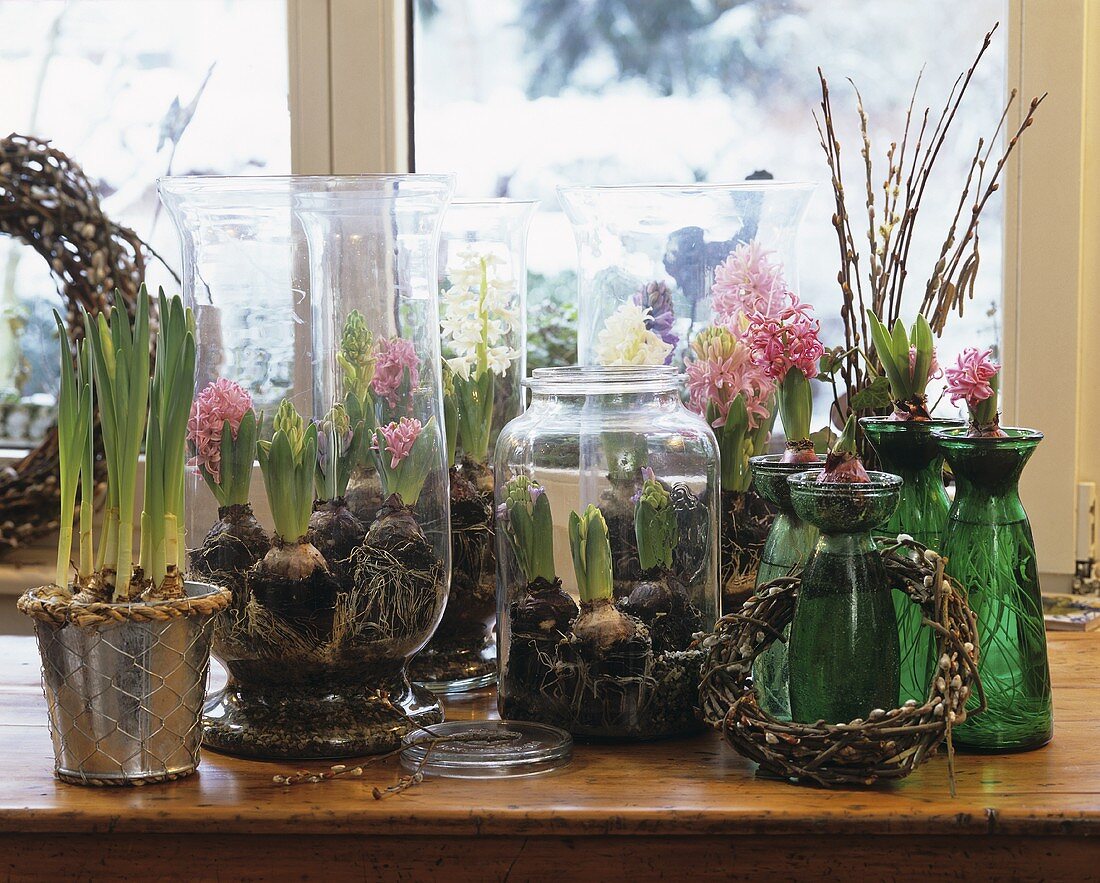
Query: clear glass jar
x=318 y=356
x=483 y=305
x=691 y=257
x=607 y=553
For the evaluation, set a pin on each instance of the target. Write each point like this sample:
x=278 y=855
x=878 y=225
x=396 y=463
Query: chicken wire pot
x=124 y=683
x=681 y=262
x=483 y=306
x=318 y=358
x=607 y=553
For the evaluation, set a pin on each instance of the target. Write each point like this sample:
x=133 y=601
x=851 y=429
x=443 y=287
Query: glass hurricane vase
x=786 y=550
x=315 y=303
x=660 y=248
x=483 y=304
x=907 y=448
x=991 y=552
x=844 y=656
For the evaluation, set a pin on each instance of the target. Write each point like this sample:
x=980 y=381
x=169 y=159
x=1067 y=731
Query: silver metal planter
x=125 y=683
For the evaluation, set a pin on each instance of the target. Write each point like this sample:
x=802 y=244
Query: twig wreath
x=48 y=203
x=889 y=744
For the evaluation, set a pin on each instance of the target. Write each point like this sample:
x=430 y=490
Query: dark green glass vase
x=789 y=544
x=990 y=551
x=907 y=448
x=844 y=657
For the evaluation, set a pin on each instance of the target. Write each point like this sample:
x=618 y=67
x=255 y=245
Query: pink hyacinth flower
x=395 y=356
x=220 y=401
x=748 y=283
x=785 y=341
x=721 y=370
x=969 y=379
x=400 y=437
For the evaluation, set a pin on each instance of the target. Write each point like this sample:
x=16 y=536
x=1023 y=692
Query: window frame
x=1046 y=218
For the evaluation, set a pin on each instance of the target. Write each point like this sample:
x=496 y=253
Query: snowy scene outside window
x=520 y=96
x=131 y=90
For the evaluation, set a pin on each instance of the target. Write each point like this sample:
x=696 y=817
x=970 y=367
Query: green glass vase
x=907 y=448
x=991 y=553
x=787 y=548
x=844 y=656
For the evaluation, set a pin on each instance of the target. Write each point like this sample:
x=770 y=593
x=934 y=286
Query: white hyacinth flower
x=478 y=314
x=625 y=339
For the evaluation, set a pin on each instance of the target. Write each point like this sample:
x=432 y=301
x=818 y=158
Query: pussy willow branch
x=946 y=294
x=890 y=235
x=928 y=161
x=849 y=255
x=893 y=189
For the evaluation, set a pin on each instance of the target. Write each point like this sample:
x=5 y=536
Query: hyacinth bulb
x=842 y=464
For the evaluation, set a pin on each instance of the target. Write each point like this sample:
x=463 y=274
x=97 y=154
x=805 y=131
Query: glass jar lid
x=484 y=749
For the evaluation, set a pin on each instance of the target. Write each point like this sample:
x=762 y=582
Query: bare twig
x=910 y=164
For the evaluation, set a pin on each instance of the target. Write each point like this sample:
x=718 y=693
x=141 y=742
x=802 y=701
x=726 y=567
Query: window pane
x=131 y=90
x=519 y=96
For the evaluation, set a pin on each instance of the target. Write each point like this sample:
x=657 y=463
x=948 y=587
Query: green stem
x=475 y=414
x=985 y=412
x=108 y=539
x=65 y=540
x=483 y=345
x=86 y=566
x=796 y=402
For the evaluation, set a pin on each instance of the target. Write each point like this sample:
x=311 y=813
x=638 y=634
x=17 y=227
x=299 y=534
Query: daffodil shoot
x=140 y=410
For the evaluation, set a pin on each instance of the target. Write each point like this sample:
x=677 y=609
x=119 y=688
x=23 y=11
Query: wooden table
x=681 y=810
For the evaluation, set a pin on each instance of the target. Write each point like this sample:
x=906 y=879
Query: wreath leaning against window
x=48 y=203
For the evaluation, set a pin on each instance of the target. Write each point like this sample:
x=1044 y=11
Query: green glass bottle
x=844 y=658
x=907 y=448
x=789 y=544
x=991 y=552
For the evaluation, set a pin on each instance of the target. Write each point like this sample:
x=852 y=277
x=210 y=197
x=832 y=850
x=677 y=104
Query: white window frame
x=349 y=85
x=349 y=106
x=1052 y=280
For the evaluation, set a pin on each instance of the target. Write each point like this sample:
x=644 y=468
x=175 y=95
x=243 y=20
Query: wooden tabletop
x=659 y=810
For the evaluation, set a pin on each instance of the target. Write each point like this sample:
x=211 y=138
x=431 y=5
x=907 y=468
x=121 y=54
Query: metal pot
x=125 y=697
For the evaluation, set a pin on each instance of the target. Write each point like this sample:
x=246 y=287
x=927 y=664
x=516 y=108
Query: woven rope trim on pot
x=58 y=606
x=890 y=744
x=124 y=783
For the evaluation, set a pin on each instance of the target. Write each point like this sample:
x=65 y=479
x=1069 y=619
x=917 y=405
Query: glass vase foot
x=288 y=725
x=446 y=670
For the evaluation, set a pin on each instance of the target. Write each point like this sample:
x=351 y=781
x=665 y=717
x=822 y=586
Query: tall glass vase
x=844 y=657
x=786 y=550
x=482 y=311
x=315 y=303
x=659 y=248
x=907 y=448
x=991 y=552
